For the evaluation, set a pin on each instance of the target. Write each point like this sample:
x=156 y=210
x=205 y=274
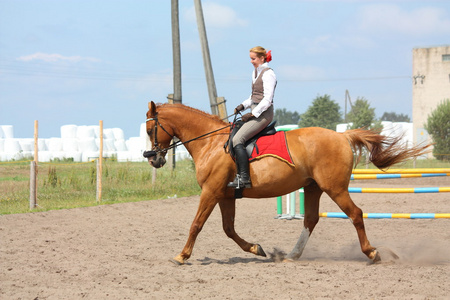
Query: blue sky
x=78 y=62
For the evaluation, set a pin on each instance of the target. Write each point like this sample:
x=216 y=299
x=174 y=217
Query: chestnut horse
x=323 y=162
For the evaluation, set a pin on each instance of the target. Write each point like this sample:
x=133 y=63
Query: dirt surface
x=122 y=251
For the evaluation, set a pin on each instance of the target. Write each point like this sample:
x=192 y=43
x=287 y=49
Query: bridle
x=157 y=149
x=156 y=129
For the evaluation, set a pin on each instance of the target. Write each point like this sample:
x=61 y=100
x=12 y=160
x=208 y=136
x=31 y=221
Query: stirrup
x=238 y=183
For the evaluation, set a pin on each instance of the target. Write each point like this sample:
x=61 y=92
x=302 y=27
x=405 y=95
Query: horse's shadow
x=233 y=261
x=275 y=256
x=278 y=256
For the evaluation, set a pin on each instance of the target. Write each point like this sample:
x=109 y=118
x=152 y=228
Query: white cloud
x=56 y=58
x=217 y=15
x=390 y=18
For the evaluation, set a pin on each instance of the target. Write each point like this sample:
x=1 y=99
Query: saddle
x=250 y=145
x=268 y=142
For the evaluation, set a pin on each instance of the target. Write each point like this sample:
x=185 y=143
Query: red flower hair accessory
x=269 y=56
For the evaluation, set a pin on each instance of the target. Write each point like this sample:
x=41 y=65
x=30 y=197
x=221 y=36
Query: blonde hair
x=260 y=51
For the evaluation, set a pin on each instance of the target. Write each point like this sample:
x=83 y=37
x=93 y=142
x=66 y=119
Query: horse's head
x=159 y=137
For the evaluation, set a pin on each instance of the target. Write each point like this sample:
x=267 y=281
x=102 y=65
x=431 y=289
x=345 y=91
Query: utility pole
x=216 y=109
x=347 y=98
x=176 y=53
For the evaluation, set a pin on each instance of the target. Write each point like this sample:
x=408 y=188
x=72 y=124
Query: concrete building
x=431 y=85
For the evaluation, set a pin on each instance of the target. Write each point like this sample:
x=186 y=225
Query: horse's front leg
x=228 y=210
x=205 y=207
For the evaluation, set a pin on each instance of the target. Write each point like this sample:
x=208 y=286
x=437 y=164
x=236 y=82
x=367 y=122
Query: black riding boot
x=242 y=179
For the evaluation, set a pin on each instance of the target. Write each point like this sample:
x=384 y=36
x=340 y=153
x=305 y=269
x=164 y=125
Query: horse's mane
x=193 y=110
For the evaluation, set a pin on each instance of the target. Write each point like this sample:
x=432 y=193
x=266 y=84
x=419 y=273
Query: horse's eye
x=149 y=132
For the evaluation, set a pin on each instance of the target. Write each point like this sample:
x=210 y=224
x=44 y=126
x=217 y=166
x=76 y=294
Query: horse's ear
x=152 y=108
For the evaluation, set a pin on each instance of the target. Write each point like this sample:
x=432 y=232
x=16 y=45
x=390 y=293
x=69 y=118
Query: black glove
x=238 y=108
x=247 y=117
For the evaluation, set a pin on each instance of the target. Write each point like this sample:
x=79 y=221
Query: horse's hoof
x=375 y=256
x=258 y=250
x=288 y=260
x=177 y=260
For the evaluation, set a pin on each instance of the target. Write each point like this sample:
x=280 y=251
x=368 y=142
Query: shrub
x=438 y=126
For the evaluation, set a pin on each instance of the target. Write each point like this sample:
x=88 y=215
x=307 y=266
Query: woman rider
x=260 y=101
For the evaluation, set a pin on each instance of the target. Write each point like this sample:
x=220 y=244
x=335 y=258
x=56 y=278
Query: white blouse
x=269 y=82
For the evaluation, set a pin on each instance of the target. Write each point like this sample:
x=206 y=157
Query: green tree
x=438 y=126
x=285 y=117
x=393 y=117
x=323 y=112
x=362 y=115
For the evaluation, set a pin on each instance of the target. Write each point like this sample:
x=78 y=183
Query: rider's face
x=255 y=60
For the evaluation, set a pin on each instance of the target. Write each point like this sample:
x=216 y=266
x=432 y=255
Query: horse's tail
x=384 y=151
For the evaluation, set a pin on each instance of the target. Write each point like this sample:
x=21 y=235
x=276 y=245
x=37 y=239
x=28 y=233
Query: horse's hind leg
x=228 y=210
x=312 y=200
x=355 y=214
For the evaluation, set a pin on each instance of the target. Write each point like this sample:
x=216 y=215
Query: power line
x=91 y=73
x=351 y=78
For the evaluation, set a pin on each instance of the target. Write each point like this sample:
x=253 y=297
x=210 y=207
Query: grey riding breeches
x=253 y=126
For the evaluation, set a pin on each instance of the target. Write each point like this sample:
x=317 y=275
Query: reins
x=151 y=153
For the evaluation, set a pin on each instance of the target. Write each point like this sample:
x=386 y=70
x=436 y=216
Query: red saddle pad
x=272 y=145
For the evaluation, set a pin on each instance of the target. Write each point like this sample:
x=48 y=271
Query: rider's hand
x=238 y=108
x=247 y=117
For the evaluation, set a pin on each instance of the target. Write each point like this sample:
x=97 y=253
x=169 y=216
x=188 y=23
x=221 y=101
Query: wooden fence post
x=100 y=164
x=34 y=170
x=33 y=188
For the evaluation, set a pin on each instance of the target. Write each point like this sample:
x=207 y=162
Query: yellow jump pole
x=401 y=171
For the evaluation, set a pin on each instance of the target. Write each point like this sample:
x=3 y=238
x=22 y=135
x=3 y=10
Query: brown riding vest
x=258 y=88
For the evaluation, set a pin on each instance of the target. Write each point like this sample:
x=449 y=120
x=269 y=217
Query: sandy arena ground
x=122 y=251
